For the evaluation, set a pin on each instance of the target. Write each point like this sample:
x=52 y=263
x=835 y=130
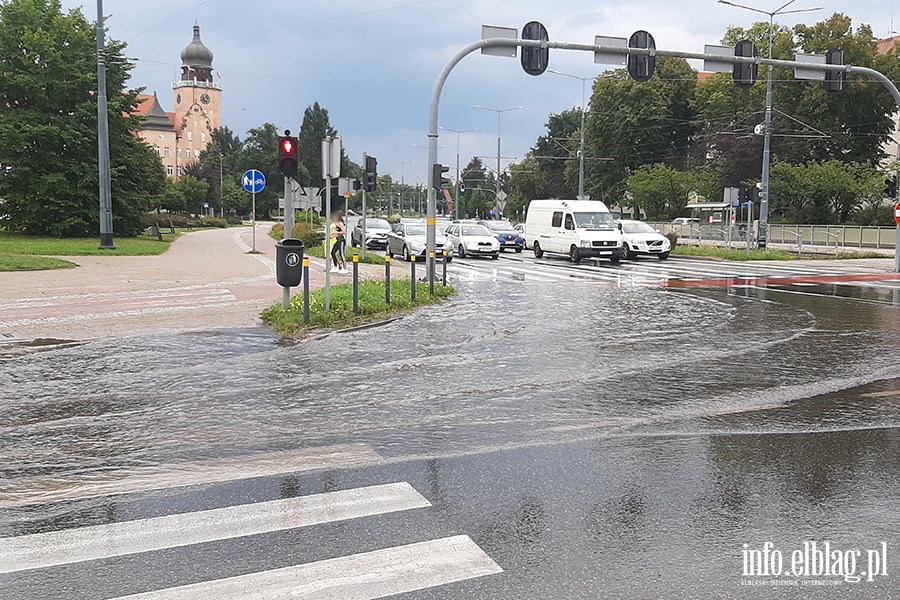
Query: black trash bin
x=289 y=262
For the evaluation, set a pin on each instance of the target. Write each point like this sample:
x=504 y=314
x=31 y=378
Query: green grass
x=738 y=255
x=371 y=258
x=26 y=262
x=372 y=306
x=17 y=243
x=852 y=255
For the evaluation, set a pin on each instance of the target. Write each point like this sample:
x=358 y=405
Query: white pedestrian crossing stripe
x=144 y=535
x=365 y=576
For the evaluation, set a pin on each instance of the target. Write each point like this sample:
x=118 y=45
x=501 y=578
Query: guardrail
x=852 y=236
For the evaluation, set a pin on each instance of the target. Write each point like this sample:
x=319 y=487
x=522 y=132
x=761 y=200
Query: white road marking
x=365 y=576
x=125 y=481
x=94 y=542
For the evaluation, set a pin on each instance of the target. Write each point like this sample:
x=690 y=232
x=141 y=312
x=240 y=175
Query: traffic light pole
x=106 y=220
x=288 y=232
x=434 y=111
x=362 y=242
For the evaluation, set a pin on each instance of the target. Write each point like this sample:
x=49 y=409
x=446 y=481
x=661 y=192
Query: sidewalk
x=206 y=279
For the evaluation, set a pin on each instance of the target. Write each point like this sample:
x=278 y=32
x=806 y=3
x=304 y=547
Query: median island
x=372 y=306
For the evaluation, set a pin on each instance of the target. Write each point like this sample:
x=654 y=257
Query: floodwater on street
x=678 y=423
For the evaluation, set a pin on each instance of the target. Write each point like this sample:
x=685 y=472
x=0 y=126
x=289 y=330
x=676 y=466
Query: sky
x=373 y=63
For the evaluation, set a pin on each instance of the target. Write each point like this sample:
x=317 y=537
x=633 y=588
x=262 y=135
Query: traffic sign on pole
x=897 y=213
x=253 y=181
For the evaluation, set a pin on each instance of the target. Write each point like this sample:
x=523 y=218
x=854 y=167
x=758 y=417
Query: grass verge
x=852 y=255
x=737 y=255
x=17 y=243
x=26 y=262
x=371 y=258
x=372 y=306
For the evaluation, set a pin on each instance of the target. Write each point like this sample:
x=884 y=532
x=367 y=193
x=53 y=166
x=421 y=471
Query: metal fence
x=852 y=236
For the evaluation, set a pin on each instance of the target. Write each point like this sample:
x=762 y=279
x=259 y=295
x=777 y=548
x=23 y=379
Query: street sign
x=897 y=213
x=253 y=181
x=489 y=32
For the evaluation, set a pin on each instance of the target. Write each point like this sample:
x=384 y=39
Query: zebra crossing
x=374 y=573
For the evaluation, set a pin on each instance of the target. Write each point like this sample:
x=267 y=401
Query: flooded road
x=592 y=440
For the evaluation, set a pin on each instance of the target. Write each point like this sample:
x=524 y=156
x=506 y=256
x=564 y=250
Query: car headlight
x=585 y=243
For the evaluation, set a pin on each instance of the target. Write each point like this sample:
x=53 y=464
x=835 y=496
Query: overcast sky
x=373 y=63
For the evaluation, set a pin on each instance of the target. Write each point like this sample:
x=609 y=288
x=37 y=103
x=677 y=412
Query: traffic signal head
x=641 y=66
x=371 y=165
x=745 y=74
x=288 y=155
x=890 y=189
x=437 y=176
x=834 y=79
x=370 y=182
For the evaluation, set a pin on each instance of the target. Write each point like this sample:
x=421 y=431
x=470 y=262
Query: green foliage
x=310 y=236
x=18 y=243
x=48 y=126
x=738 y=255
x=24 y=262
x=479 y=184
x=372 y=306
x=823 y=192
x=662 y=192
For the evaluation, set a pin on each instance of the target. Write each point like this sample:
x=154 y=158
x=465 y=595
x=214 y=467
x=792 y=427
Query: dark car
x=376 y=233
x=506 y=234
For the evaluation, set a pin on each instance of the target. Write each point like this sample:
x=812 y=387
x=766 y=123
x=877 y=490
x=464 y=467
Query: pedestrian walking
x=338 y=233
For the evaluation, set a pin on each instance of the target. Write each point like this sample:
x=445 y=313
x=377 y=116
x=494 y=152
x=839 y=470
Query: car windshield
x=377 y=224
x=475 y=230
x=594 y=220
x=415 y=230
x=637 y=228
x=499 y=226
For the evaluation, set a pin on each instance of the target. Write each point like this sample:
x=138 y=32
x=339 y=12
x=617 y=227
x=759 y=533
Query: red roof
x=702 y=76
x=145 y=103
x=884 y=46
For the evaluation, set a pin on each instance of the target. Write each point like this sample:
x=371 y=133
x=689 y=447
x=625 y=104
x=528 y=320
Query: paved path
x=206 y=279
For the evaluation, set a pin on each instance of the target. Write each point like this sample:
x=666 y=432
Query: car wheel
x=495 y=256
x=615 y=260
x=406 y=256
x=627 y=253
x=664 y=256
x=574 y=255
x=461 y=251
x=519 y=250
x=538 y=253
x=353 y=242
x=448 y=258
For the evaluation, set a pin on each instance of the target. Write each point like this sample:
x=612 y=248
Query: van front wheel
x=538 y=253
x=575 y=255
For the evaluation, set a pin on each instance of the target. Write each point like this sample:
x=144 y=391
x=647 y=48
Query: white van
x=577 y=228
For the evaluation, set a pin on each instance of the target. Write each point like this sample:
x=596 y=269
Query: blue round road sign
x=253 y=181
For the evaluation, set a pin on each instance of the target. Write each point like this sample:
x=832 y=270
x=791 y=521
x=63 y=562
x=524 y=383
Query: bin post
x=306 y=291
x=356 y=284
x=387 y=279
x=412 y=277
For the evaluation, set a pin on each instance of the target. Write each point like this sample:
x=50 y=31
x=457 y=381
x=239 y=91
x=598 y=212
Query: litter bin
x=289 y=262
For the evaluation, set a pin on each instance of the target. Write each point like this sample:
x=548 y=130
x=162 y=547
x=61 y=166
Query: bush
x=301 y=231
x=234 y=221
x=213 y=222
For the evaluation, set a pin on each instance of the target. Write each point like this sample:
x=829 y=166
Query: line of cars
x=576 y=228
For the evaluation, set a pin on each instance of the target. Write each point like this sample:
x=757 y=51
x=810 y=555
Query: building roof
x=155 y=117
x=196 y=55
x=702 y=76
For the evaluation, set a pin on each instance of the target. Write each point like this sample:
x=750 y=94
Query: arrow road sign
x=253 y=181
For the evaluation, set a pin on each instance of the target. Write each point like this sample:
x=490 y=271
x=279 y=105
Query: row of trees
x=653 y=145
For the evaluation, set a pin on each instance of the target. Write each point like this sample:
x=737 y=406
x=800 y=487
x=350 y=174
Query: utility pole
x=584 y=81
x=458 y=132
x=499 y=112
x=762 y=234
x=106 y=220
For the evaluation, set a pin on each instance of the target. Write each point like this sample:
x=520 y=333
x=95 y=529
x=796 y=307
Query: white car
x=640 y=238
x=685 y=221
x=471 y=239
x=408 y=238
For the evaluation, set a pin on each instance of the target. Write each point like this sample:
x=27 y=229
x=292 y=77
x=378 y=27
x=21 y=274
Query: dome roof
x=196 y=55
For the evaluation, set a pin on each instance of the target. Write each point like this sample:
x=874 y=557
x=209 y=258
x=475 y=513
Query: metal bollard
x=387 y=280
x=355 y=284
x=305 y=291
x=412 y=277
x=431 y=274
x=445 y=269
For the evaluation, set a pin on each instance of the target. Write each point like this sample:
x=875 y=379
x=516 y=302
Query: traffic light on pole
x=288 y=155
x=437 y=176
x=890 y=189
x=745 y=74
x=370 y=176
x=834 y=79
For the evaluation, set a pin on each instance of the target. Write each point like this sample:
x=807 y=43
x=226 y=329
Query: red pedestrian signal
x=288 y=155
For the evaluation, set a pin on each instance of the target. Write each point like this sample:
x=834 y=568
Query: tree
x=477 y=197
x=662 y=192
x=48 y=126
x=823 y=192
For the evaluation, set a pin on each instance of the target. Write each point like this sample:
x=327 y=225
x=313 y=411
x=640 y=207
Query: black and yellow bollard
x=444 y=278
x=355 y=284
x=305 y=291
x=412 y=277
x=387 y=280
x=431 y=274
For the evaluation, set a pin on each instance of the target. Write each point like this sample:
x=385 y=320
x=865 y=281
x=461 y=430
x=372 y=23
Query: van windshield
x=594 y=220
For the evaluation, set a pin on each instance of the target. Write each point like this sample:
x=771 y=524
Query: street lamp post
x=762 y=234
x=499 y=112
x=584 y=81
x=402 y=180
x=458 y=132
x=106 y=218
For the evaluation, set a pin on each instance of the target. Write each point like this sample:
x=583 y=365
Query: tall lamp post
x=584 y=81
x=106 y=220
x=402 y=180
x=458 y=132
x=499 y=112
x=762 y=234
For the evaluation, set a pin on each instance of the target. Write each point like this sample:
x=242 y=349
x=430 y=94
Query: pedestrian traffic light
x=834 y=79
x=288 y=155
x=370 y=177
x=357 y=185
x=890 y=189
x=437 y=176
x=641 y=66
x=745 y=74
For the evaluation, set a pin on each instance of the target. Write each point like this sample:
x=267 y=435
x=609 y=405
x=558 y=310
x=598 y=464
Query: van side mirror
x=619 y=226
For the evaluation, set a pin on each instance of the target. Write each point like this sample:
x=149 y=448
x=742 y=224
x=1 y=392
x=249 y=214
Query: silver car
x=376 y=233
x=409 y=238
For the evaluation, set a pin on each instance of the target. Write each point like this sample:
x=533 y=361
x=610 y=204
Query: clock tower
x=198 y=101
